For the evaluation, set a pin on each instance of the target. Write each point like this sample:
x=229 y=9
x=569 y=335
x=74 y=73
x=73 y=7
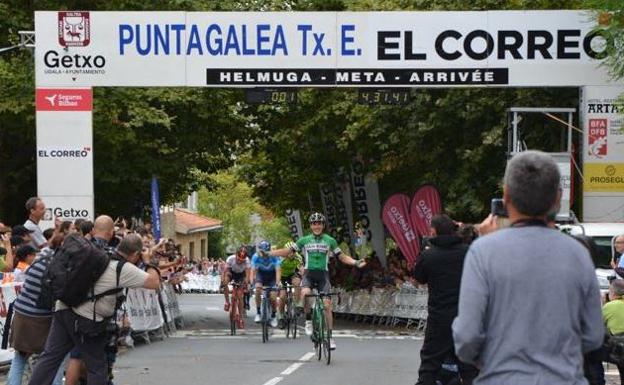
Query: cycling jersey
x=266 y=263
x=317 y=250
x=235 y=267
x=290 y=265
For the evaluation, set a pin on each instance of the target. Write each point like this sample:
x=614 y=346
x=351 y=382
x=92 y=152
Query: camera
x=497 y=207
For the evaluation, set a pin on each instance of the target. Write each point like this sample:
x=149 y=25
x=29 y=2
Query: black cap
x=20 y=230
x=25 y=250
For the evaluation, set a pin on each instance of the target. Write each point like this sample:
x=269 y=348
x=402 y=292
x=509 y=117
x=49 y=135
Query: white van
x=604 y=235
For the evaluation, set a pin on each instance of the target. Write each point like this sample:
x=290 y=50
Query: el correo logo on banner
x=50 y=99
x=59 y=153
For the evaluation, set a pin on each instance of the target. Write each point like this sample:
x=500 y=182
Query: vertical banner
x=329 y=209
x=397 y=219
x=368 y=209
x=603 y=154
x=343 y=213
x=64 y=142
x=425 y=204
x=293 y=218
x=155 y=209
x=564 y=163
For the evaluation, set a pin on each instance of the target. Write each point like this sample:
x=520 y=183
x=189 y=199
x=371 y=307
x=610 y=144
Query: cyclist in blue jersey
x=266 y=272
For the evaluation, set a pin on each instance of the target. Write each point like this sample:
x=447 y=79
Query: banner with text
x=368 y=208
x=329 y=209
x=396 y=217
x=345 y=49
x=425 y=204
x=293 y=218
x=603 y=154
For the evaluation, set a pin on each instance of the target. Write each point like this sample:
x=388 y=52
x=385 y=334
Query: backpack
x=71 y=274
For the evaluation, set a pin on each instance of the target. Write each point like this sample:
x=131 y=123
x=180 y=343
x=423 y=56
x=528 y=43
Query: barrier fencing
x=389 y=306
x=149 y=312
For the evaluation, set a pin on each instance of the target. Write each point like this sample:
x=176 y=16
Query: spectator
x=6 y=251
x=35 y=209
x=440 y=267
x=22 y=232
x=23 y=259
x=86 y=228
x=468 y=233
x=618 y=248
x=529 y=304
x=63 y=334
x=613 y=314
x=67 y=227
x=31 y=323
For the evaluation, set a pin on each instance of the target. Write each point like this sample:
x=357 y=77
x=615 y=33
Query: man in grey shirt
x=35 y=209
x=529 y=303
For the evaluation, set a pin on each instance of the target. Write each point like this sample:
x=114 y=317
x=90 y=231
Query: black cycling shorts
x=236 y=277
x=317 y=279
x=288 y=280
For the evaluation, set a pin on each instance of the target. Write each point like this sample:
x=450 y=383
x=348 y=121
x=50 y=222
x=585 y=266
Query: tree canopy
x=455 y=138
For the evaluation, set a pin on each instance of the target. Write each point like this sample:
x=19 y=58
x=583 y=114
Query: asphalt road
x=204 y=352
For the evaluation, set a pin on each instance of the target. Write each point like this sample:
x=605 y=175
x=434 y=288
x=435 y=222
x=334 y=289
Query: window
x=191 y=250
x=203 y=248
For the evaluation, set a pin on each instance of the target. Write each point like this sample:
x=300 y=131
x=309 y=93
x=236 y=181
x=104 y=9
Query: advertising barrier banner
x=603 y=154
x=397 y=220
x=425 y=204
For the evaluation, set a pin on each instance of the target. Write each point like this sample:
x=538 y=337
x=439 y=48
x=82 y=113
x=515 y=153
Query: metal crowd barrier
x=387 y=306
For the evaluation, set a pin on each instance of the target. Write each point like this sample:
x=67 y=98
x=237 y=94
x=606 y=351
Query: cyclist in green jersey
x=291 y=275
x=316 y=249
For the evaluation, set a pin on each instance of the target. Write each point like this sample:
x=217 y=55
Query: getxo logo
x=71 y=212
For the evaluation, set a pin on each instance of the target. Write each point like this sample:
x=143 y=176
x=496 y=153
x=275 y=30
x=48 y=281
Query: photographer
x=529 y=304
x=69 y=325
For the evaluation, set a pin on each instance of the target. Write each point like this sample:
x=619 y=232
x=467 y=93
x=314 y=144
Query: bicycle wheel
x=265 y=320
x=318 y=334
x=233 y=308
x=288 y=316
x=326 y=341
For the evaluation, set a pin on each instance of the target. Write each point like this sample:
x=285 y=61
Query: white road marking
x=289 y=370
x=273 y=381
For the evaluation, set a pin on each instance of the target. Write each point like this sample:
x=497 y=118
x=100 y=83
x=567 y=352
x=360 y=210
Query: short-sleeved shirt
x=235 y=267
x=613 y=314
x=290 y=265
x=266 y=263
x=37 y=235
x=317 y=250
x=129 y=277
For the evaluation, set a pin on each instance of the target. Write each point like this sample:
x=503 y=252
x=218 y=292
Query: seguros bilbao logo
x=64 y=153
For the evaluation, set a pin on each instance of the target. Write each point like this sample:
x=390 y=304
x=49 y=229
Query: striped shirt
x=26 y=302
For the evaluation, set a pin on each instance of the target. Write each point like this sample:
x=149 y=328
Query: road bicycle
x=291 y=316
x=265 y=311
x=236 y=318
x=321 y=335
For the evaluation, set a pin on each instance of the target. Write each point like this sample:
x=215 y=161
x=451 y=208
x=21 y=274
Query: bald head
x=619 y=244
x=104 y=227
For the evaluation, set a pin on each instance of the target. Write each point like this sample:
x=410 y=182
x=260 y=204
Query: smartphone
x=497 y=207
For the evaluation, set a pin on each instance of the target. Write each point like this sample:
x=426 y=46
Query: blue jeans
x=17 y=369
x=16 y=373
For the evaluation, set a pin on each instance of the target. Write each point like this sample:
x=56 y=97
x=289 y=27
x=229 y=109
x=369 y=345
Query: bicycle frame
x=321 y=334
x=265 y=311
x=236 y=298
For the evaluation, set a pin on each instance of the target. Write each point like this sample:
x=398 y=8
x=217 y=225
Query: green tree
x=609 y=17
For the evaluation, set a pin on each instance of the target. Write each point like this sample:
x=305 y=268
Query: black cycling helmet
x=317 y=217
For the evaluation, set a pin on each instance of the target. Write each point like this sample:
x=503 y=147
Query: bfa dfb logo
x=597 y=138
x=74 y=29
